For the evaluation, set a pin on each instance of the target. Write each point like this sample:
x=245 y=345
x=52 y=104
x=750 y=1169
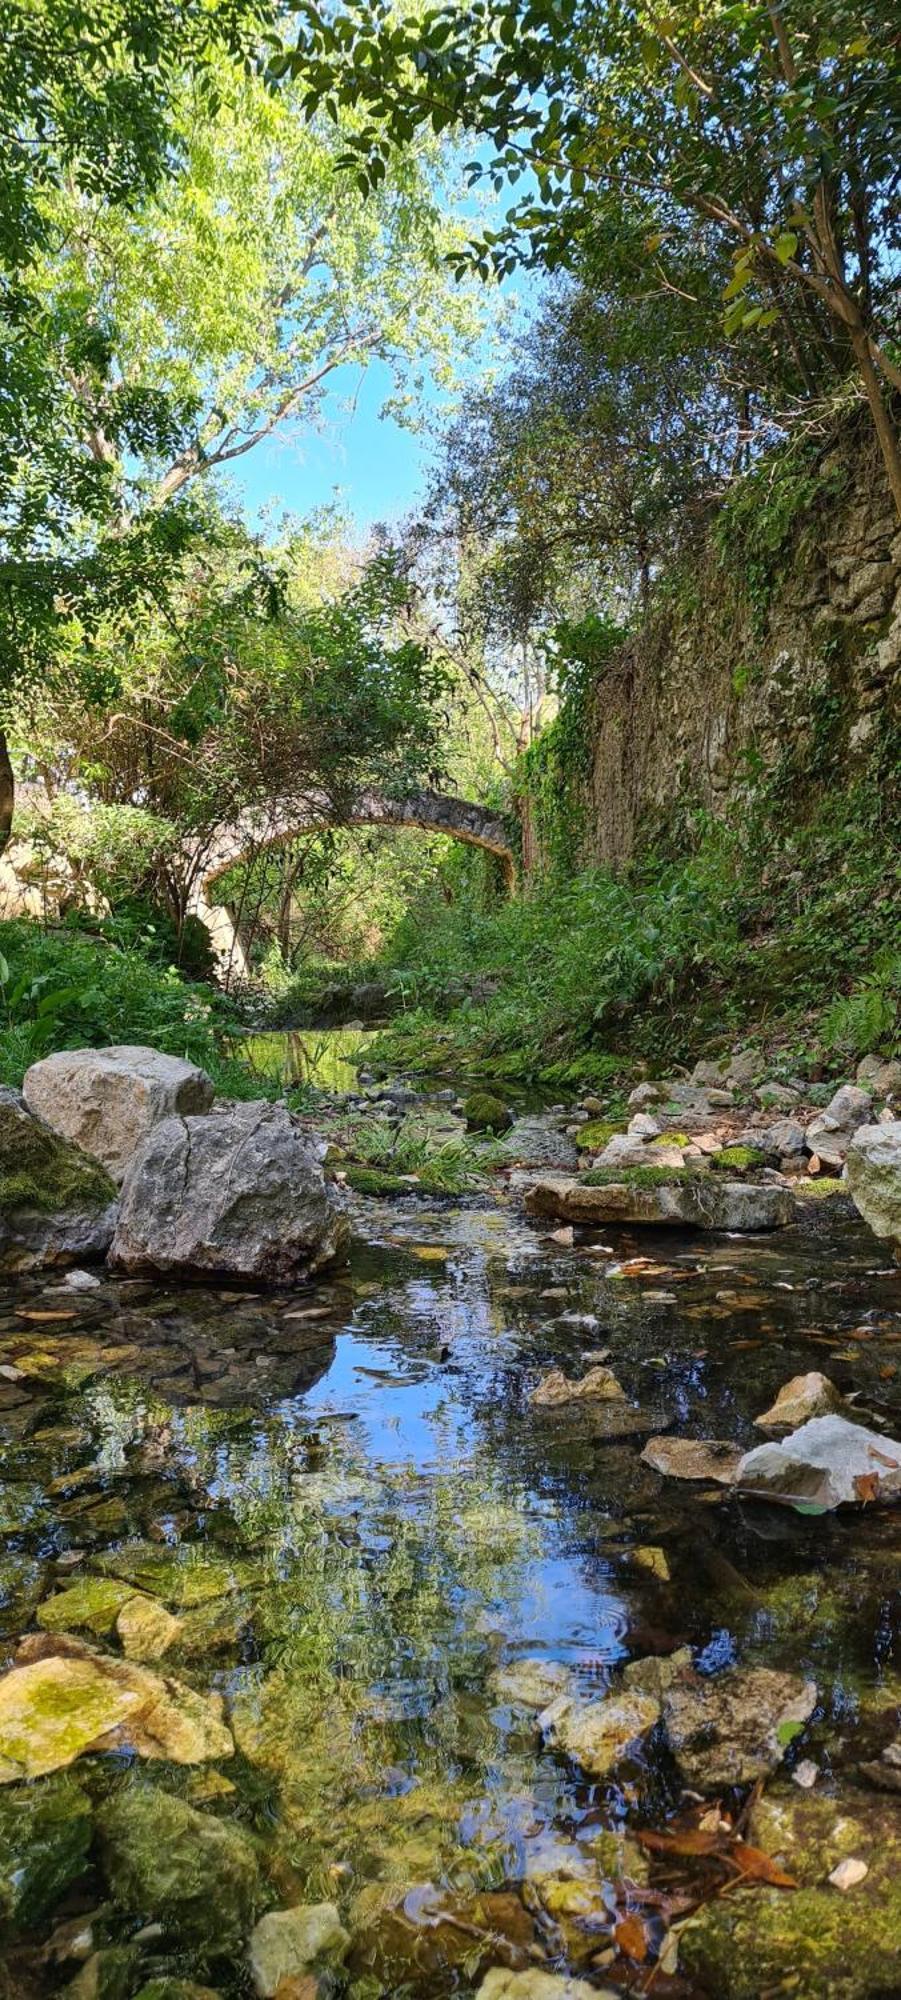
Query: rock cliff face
x=760 y=649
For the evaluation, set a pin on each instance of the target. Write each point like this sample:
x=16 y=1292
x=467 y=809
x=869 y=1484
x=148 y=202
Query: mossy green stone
x=738 y=1159
x=484 y=1112
x=38 y=1170
x=90 y=1605
x=165 y=1861
x=45 y=1835
x=640 y=1177
x=185 y=1576
x=593 y=1137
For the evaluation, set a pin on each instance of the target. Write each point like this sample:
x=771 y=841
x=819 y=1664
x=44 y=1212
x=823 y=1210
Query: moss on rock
x=163 y=1860
x=739 y=1159
x=593 y=1137
x=640 y=1177
x=484 y=1112
x=45 y=1834
x=40 y=1171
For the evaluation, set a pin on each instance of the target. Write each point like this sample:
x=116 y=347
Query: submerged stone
x=163 y=1860
x=145 y=1628
x=598 y=1735
x=186 y=1575
x=66 y=1699
x=45 y=1835
x=92 y=1604
x=828 y=1463
x=499 y=1984
x=815 y=1941
x=286 y=1943
x=556 y=1388
x=732 y=1728
x=530 y=1683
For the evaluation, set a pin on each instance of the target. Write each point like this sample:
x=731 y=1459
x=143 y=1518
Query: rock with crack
x=805 y=1396
x=599 y=1735
x=556 y=1389
x=873 y=1169
x=240 y=1194
x=106 y=1100
x=732 y=1728
x=693 y=1458
x=828 y=1463
x=63 y=1699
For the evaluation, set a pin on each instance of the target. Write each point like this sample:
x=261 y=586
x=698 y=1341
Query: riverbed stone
x=880 y=1075
x=538 y=1142
x=598 y=1735
x=873 y=1171
x=106 y=1100
x=146 y=1629
x=555 y=1389
x=699 y=1201
x=165 y=1861
x=805 y=1396
x=57 y=1206
x=90 y=1604
x=829 y=1135
x=735 y=1727
x=62 y=1699
x=693 y=1458
x=827 y=1463
x=814 y=1941
x=45 y=1835
x=287 y=1943
x=499 y=1984
x=239 y=1193
x=530 y=1683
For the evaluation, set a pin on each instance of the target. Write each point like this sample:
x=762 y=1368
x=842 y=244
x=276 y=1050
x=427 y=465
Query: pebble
x=848 y=1874
x=806 y=1774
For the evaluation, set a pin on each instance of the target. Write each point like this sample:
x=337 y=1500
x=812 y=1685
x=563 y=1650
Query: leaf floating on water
x=630 y=1937
x=750 y=1862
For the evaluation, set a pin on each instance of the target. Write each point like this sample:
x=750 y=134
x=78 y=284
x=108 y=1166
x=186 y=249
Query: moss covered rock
x=57 y=1206
x=164 y=1861
x=486 y=1113
x=45 y=1834
x=740 y=1159
x=814 y=1941
x=595 y=1135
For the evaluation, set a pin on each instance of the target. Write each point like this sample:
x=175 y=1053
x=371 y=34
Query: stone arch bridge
x=255 y=831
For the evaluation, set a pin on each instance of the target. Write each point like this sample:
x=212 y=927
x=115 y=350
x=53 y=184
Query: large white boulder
x=873 y=1169
x=828 y=1463
x=829 y=1135
x=106 y=1100
x=239 y=1193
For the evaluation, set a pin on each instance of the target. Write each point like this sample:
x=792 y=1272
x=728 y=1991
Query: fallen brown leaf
x=630 y=1937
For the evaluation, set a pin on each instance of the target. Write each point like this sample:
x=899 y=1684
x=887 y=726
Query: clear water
x=385 y=1520
x=326 y=1057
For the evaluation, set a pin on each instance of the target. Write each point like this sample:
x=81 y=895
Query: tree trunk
x=7 y=792
x=881 y=415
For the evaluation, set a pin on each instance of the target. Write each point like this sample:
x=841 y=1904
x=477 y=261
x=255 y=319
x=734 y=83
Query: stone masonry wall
x=715 y=685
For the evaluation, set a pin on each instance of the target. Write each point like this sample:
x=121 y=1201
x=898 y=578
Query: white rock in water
x=828 y=1463
x=107 y=1100
x=287 y=1943
x=848 y=1873
x=499 y=1984
x=873 y=1170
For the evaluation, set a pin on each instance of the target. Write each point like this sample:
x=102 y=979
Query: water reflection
x=326 y=1057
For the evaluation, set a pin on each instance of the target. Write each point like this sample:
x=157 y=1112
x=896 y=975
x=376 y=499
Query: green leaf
x=785 y=246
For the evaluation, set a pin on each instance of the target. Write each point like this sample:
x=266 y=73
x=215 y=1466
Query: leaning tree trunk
x=7 y=792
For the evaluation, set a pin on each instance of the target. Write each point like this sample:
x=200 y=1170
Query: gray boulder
x=57 y=1206
x=830 y=1134
x=106 y=1100
x=828 y=1463
x=883 y=1078
x=874 y=1178
x=240 y=1193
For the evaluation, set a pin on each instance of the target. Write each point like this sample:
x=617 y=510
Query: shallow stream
x=346 y=1499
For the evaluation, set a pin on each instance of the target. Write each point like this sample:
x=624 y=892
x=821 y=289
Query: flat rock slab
x=828 y=1463
x=65 y=1699
x=699 y=1203
x=239 y=1193
x=106 y=1100
x=693 y=1458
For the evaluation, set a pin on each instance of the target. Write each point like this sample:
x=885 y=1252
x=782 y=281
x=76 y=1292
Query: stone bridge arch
x=254 y=832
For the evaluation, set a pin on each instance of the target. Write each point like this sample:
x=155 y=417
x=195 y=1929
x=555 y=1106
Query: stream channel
x=344 y=1498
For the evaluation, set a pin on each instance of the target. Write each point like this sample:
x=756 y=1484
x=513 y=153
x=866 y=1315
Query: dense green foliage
x=68 y=989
